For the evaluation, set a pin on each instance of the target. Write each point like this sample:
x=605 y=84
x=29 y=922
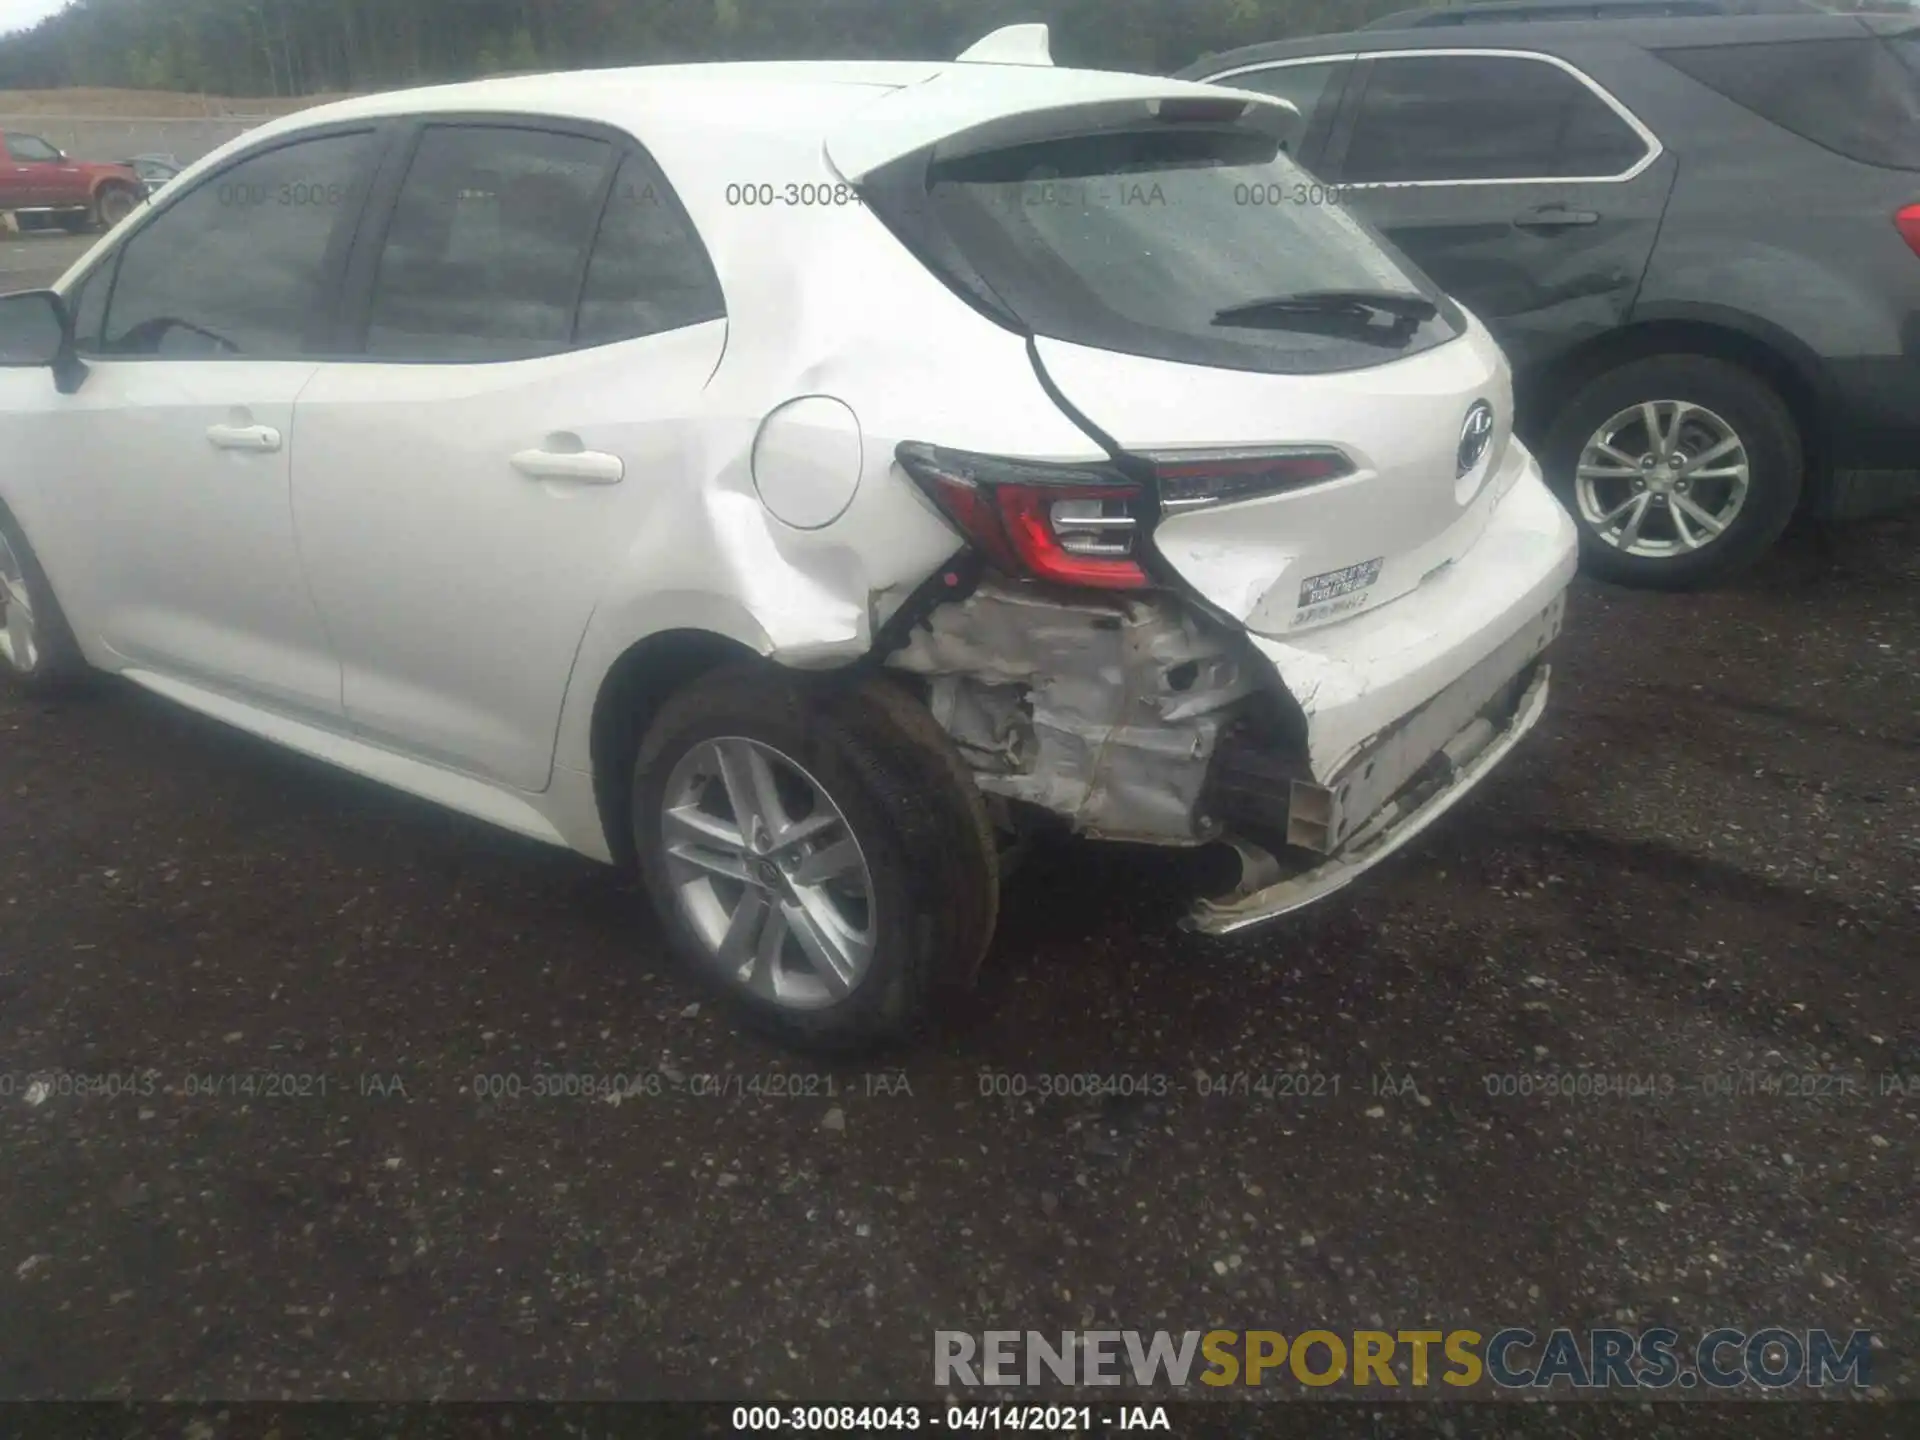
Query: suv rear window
x=1135 y=241
x=1857 y=97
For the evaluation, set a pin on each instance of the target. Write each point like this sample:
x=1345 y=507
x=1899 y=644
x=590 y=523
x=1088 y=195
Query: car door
x=167 y=474
x=1512 y=179
x=536 y=319
x=41 y=175
x=15 y=178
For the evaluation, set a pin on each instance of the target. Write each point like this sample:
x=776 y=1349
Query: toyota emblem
x=1476 y=434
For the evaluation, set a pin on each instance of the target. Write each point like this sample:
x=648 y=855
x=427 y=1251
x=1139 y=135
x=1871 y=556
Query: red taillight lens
x=1907 y=222
x=1070 y=524
x=1193 y=482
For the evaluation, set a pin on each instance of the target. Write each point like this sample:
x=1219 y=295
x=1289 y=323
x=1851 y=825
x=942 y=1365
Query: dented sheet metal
x=1105 y=712
x=1358 y=678
x=1109 y=711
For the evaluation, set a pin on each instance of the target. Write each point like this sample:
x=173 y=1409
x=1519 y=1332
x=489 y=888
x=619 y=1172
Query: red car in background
x=39 y=181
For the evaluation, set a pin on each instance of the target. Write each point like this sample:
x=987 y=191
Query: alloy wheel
x=19 y=641
x=768 y=874
x=1662 y=478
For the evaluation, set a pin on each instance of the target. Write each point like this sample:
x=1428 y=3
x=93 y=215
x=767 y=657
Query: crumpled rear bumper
x=1467 y=759
x=1358 y=678
x=1407 y=708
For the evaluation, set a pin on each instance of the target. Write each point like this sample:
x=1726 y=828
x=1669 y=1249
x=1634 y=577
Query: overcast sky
x=18 y=14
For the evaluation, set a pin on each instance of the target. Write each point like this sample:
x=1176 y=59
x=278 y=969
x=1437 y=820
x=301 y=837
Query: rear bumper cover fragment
x=1473 y=753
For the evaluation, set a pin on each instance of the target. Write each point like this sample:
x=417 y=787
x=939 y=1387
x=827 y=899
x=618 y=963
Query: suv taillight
x=1907 y=221
x=1070 y=524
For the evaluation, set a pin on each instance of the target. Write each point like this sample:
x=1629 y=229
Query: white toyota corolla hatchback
x=795 y=480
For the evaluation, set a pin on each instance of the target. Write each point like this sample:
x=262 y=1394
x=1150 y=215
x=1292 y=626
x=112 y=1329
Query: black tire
x=114 y=204
x=1758 y=417
x=57 y=664
x=912 y=806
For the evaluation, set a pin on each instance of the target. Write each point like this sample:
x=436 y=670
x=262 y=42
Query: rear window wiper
x=1282 y=311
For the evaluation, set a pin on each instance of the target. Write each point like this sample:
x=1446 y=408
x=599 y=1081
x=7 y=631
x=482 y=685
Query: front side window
x=30 y=149
x=238 y=265
x=1483 y=117
x=488 y=244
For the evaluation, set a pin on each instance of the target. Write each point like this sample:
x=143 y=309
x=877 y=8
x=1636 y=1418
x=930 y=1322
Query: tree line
x=301 y=47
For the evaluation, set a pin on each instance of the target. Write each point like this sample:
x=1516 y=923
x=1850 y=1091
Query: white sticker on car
x=1316 y=590
x=1327 y=609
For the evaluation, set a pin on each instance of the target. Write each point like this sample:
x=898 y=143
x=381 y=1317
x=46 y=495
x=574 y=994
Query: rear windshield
x=1857 y=97
x=1136 y=241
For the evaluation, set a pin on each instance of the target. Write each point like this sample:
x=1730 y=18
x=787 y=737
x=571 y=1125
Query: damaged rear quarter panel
x=1105 y=710
x=846 y=313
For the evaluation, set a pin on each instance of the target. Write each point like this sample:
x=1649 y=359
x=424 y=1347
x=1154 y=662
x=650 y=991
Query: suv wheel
x=37 y=650
x=819 y=852
x=116 y=202
x=1680 y=470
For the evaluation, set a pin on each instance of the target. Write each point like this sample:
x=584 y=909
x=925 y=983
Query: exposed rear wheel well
x=640 y=682
x=1540 y=398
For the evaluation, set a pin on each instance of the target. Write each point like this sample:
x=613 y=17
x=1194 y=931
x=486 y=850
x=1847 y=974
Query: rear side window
x=507 y=243
x=1484 y=117
x=488 y=242
x=1147 y=242
x=649 y=271
x=1857 y=97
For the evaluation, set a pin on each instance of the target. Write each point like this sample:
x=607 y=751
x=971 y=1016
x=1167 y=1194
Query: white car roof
x=865 y=112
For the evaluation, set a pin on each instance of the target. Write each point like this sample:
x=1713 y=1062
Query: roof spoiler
x=1011 y=45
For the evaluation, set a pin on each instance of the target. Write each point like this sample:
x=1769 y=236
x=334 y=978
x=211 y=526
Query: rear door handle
x=1553 y=217
x=256 y=439
x=583 y=467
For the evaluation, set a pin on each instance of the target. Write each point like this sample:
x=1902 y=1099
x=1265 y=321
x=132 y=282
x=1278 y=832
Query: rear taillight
x=1195 y=481
x=1070 y=524
x=1907 y=221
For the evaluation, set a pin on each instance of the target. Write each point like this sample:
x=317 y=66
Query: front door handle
x=255 y=439
x=1554 y=217
x=583 y=467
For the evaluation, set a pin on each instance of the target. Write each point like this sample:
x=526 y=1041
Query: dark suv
x=1698 y=239
x=1457 y=15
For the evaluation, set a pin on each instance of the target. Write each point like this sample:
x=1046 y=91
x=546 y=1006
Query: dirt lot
x=1703 y=871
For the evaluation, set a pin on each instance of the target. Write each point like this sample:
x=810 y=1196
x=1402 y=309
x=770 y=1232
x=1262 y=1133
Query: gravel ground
x=1701 y=869
x=36 y=259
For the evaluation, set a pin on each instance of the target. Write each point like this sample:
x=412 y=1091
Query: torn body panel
x=1109 y=709
x=1105 y=711
x=1136 y=717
